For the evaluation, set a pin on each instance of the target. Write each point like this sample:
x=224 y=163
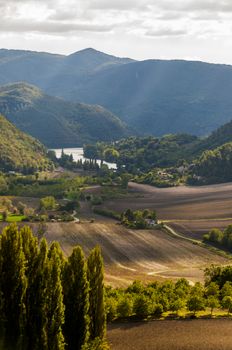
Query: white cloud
x=123 y=27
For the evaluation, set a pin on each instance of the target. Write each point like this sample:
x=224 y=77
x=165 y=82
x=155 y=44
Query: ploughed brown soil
x=197 y=228
x=183 y=202
x=147 y=255
x=153 y=254
x=191 y=211
x=172 y=335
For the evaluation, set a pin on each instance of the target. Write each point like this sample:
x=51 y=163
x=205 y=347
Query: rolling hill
x=19 y=151
x=153 y=96
x=55 y=122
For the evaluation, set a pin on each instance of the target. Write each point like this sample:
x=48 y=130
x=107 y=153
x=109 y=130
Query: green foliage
x=97 y=313
x=140 y=219
x=220 y=238
x=67 y=124
x=76 y=300
x=20 y=152
x=42 y=295
x=125 y=307
x=214 y=166
x=13 y=284
x=48 y=203
x=142 y=306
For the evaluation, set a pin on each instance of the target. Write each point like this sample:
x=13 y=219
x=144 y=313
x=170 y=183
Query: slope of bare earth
x=183 y=202
x=172 y=335
x=136 y=254
x=197 y=228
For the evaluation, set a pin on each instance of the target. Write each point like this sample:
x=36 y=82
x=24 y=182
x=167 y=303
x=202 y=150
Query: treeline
x=139 y=154
x=140 y=301
x=214 y=166
x=220 y=238
x=34 y=186
x=48 y=302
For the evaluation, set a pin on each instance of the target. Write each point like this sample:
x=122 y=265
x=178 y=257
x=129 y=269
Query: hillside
x=154 y=96
x=55 y=122
x=19 y=151
x=53 y=72
x=160 y=97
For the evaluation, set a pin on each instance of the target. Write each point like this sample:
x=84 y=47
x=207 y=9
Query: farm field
x=146 y=255
x=180 y=203
x=191 y=211
x=173 y=335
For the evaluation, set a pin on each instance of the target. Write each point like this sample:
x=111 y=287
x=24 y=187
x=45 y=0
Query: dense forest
x=47 y=301
x=56 y=122
x=171 y=159
x=20 y=152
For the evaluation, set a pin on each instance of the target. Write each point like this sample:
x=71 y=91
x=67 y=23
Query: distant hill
x=54 y=73
x=19 y=151
x=162 y=97
x=155 y=97
x=55 y=122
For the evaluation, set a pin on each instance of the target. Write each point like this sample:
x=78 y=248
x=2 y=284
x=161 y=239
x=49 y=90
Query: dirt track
x=132 y=254
x=172 y=335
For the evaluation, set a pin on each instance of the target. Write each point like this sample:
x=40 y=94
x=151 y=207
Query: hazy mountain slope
x=160 y=97
x=19 y=151
x=154 y=96
x=48 y=70
x=55 y=122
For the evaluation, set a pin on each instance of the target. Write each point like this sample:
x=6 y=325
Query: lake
x=78 y=155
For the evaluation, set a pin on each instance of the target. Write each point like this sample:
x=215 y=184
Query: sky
x=140 y=29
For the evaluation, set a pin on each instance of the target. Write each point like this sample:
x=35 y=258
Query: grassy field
x=172 y=335
x=13 y=218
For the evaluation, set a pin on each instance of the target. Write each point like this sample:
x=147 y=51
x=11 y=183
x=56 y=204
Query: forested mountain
x=153 y=96
x=19 y=151
x=55 y=122
x=53 y=72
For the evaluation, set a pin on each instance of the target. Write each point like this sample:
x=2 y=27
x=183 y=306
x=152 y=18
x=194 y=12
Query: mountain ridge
x=56 y=122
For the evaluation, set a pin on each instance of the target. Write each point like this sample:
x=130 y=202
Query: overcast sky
x=188 y=29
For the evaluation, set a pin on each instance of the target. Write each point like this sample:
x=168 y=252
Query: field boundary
x=218 y=251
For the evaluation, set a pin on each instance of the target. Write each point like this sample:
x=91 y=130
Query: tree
x=212 y=302
x=3 y=185
x=54 y=298
x=125 y=307
x=48 y=203
x=111 y=155
x=36 y=298
x=97 y=311
x=142 y=306
x=196 y=301
x=227 y=303
x=13 y=284
x=76 y=300
x=176 y=305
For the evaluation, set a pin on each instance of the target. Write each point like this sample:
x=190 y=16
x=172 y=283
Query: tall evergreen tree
x=36 y=301
x=96 y=295
x=76 y=300
x=55 y=306
x=13 y=285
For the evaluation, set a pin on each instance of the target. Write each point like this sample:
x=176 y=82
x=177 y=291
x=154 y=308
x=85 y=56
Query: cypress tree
x=36 y=302
x=55 y=306
x=76 y=300
x=13 y=285
x=96 y=295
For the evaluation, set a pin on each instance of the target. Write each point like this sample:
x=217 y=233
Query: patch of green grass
x=14 y=218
